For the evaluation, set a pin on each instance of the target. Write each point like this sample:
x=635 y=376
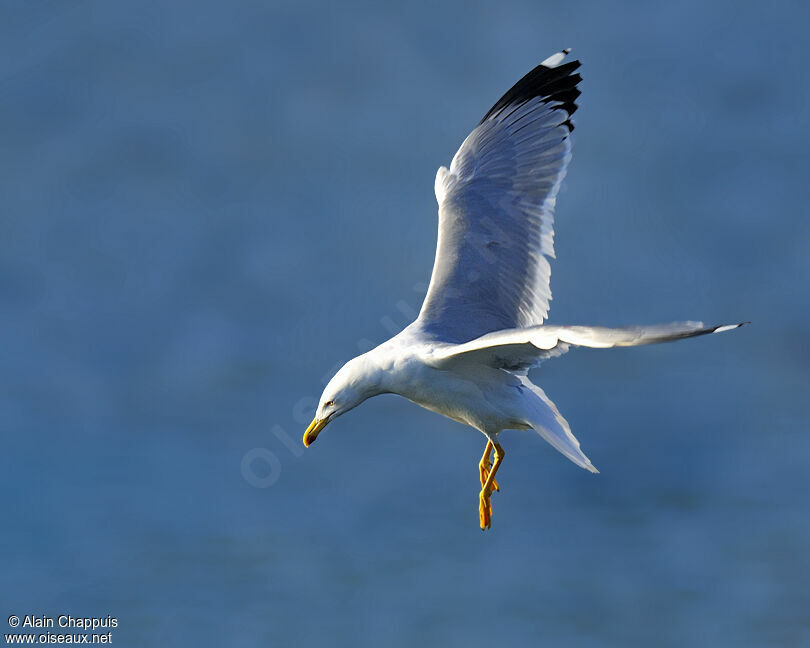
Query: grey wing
x=520 y=349
x=496 y=210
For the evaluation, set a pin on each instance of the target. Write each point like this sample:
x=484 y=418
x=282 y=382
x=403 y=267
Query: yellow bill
x=313 y=430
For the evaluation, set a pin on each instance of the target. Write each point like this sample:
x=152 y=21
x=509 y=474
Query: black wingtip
x=558 y=84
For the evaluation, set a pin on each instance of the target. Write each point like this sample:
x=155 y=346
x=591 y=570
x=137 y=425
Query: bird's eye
x=329 y=403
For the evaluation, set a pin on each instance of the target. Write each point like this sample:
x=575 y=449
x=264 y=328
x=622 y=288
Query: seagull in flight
x=468 y=353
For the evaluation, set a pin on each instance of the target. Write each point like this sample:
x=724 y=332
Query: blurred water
x=206 y=207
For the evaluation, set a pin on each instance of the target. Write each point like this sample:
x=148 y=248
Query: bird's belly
x=445 y=408
x=461 y=398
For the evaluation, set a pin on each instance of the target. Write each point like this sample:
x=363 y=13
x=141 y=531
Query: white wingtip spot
x=728 y=327
x=555 y=59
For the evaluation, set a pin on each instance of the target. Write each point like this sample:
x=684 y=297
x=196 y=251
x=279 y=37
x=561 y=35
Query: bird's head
x=356 y=381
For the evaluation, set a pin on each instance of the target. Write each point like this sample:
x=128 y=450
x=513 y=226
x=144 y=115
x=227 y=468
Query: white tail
x=545 y=418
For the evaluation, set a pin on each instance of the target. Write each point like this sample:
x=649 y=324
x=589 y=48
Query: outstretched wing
x=496 y=210
x=520 y=349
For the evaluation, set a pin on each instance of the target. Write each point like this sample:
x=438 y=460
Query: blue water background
x=206 y=207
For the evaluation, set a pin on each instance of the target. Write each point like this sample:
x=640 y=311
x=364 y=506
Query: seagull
x=480 y=330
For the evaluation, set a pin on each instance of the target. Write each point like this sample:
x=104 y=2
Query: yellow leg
x=484 y=466
x=484 y=504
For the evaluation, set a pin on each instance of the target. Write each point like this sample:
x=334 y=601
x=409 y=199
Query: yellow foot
x=484 y=475
x=487 y=472
x=484 y=510
x=484 y=466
